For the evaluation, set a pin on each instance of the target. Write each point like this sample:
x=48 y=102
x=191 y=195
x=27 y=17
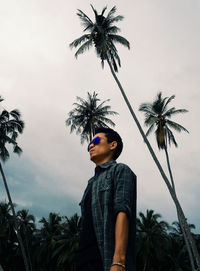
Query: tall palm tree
x=10 y=126
x=103 y=35
x=158 y=117
x=152 y=235
x=88 y=114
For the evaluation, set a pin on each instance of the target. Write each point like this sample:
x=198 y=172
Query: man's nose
x=91 y=145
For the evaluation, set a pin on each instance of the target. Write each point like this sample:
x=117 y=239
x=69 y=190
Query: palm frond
x=15 y=114
x=150 y=119
x=4 y=154
x=176 y=126
x=150 y=129
x=170 y=137
x=102 y=103
x=168 y=101
x=174 y=111
x=116 y=19
x=119 y=39
x=83 y=48
x=169 y=112
x=147 y=108
x=6 y=139
x=105 y=121
x=5 y=114
x=111 y=13
x=95 y=12
x=103 y=11
x=80 y=40
x=113 y=29
x=86 y=21
x=158 y=104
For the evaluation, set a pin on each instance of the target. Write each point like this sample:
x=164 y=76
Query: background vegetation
x=51 y=244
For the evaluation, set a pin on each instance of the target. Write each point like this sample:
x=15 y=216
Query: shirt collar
x=105 y=165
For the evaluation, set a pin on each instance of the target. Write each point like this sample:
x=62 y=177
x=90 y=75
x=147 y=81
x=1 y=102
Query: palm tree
x=67 y=243
x=175 y=256
x=152 y=235
x=7 y=235
x=103 y=35
x=176 y=252
x=10 y=126
x=158 y=117
x=26 y=227
x=51 y=229
x=177 y=230
x=88 y=114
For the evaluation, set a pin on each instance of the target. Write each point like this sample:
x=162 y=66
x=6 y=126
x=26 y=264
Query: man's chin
x=92 y=157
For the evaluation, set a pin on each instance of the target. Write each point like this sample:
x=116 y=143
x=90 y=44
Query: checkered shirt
x=113 y=191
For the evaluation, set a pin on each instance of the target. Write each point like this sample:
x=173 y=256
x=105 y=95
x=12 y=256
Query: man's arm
x=121 y=240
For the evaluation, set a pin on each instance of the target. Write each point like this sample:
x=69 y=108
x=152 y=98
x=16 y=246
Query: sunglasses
x=95 y=141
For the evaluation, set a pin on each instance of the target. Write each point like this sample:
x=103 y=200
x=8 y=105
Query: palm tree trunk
x=184 y=225
x=15 y=220
x=167 y=182
x=184 y=233
x=187 y=245
x=28 y=252
x=169 y=168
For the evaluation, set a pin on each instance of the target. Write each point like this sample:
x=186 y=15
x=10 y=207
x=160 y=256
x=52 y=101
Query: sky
x=40 y=76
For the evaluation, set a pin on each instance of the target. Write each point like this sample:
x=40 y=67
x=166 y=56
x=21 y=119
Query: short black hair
x=111 y=136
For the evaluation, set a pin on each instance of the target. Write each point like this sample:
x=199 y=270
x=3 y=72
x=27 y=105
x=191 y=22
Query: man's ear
x=113 y=145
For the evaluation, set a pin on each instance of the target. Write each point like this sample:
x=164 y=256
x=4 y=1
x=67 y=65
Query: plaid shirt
x=113 y=191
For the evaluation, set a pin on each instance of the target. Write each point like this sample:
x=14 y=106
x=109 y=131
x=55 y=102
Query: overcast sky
x=40 y=76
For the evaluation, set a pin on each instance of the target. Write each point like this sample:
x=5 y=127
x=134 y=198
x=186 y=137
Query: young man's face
x=102 y=151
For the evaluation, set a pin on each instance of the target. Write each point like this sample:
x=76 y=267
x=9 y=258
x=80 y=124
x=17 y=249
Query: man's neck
x=103 y=161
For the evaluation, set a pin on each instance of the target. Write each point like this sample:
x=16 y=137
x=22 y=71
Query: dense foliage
x=52 y=243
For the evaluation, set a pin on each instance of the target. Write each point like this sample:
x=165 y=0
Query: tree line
x=51 y=244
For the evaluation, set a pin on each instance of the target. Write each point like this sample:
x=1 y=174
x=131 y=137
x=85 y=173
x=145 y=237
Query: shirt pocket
x=105 y=184
x=106 y=192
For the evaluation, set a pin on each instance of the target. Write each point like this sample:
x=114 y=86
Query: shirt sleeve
x=124 y=190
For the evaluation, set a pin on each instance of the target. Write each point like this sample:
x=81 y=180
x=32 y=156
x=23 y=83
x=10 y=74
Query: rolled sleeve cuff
x=122 y=208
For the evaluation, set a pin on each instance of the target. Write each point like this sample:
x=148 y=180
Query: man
x=108 y=206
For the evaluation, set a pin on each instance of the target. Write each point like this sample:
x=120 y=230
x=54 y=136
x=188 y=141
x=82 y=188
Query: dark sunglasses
x=95 y=141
